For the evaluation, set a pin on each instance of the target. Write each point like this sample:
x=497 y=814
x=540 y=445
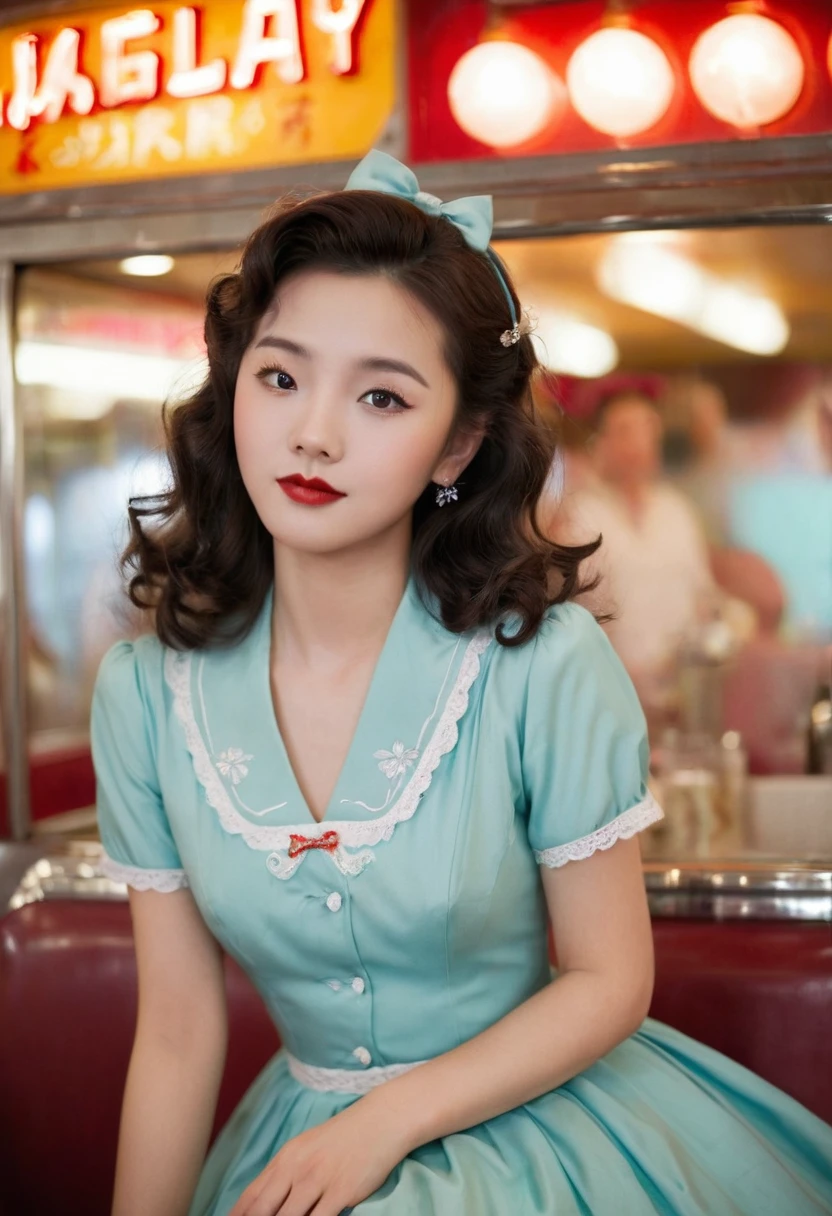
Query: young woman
x=370 y=750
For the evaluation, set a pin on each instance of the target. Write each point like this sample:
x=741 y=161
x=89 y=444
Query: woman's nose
x=317 y=431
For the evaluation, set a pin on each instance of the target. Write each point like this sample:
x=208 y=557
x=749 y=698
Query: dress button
x=358 y=985
x=362 y=1055
x=333 y=902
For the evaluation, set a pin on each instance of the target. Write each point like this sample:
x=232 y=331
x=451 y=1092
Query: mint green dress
x=413 y=917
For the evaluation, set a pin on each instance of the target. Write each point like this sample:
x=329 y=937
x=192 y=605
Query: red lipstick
x=312 y=493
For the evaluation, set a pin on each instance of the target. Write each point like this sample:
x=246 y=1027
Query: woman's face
x=345 y=381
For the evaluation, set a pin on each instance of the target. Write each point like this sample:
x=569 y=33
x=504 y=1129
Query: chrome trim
x=736 y=906
x=673 y=167
x=739 y=891
x=722 y=184
x=762 y=891
x=13 y=647
x=73 y=873
x=25 y=9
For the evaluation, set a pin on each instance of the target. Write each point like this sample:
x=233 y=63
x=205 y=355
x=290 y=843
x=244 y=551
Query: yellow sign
x=119 y=94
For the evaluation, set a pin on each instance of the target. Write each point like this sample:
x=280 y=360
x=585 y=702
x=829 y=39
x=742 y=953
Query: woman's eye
x=384 y=400
x=275 y=377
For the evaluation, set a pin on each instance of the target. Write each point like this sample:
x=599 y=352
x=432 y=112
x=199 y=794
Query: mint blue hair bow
x=474 y=216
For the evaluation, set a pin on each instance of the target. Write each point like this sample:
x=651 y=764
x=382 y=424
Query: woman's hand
x=327 y=1169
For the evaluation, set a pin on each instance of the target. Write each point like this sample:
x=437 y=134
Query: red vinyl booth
x=761 y=992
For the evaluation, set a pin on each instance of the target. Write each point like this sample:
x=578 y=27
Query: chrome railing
x=740 y=891
x=695 y=890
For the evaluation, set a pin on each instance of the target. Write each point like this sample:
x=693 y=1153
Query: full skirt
x=662 y=1124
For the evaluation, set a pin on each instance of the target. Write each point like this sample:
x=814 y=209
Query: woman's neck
x=335 y=607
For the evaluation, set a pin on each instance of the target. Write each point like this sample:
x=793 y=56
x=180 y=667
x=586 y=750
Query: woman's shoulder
x=130 y=668
x=566 y=630
x=568 y=625
x=568 y=651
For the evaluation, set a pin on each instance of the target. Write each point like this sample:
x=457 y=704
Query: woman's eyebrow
x=378 y=363
x=283 y=344
x=381 y=364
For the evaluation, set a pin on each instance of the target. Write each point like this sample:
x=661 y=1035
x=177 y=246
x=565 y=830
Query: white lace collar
x=418 y=693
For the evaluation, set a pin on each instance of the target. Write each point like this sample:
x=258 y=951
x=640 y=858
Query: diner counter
x=761 y=888
x=743 y=963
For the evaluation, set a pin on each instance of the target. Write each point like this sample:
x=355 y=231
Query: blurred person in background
x=704 y=448
x=780 y=485
x=824 y=422
x=655 y=575
x=705 y=475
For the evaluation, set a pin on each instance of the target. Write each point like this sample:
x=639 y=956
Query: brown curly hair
x=199 y=556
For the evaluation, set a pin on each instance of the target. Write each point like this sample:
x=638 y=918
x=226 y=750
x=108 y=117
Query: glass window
x=98 y=352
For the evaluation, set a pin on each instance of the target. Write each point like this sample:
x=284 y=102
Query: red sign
x=442 y=31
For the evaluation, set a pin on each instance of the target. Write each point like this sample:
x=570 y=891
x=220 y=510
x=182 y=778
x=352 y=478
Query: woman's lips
x=312 y=493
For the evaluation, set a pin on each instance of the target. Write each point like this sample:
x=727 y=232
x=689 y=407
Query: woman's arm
x=177 y=1060
x=601 y=923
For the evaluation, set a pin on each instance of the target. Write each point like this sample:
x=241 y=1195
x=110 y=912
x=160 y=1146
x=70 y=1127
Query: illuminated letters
x=269 y=34
x=62 y=83
x=25 y=69
x=282 y=49
x=187 y=80
x=209 y=129
x=340 y=25
x=133 y=77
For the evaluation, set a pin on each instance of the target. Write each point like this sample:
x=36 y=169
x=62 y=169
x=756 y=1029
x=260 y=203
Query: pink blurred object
x=768 y=691
x=750 y=578
x=580 y=398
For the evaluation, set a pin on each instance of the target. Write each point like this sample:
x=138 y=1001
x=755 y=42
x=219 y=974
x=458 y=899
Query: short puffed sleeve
x=139 y=848
x=585 y=753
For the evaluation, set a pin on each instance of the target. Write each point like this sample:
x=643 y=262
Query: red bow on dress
x=301 y=844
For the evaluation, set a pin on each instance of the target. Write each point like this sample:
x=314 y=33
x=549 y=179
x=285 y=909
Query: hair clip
x=524 y=326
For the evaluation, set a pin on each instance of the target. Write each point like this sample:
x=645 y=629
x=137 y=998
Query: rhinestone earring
x=446 y=494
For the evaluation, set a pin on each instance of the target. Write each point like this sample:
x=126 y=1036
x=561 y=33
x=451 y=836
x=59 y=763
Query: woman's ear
x=461 y=450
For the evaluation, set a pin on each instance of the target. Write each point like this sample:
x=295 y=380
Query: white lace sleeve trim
x=636 y=819
x=141 y=879
x=352 y=834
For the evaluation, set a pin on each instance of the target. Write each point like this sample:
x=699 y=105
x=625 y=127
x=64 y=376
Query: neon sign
x=173 y=87
x=270 y=35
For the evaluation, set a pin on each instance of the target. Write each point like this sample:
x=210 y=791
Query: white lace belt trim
x=636 y=819
x=141 y=879
x=345 y=1080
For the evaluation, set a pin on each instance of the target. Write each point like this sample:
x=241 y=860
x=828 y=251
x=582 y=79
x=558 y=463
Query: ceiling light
x=572 y=347
x=663 y=282
x=147 y=265
x=747 y=70
x=744 y=320
x=113 y=373
x=503 y=94
x=620 y=81
x=654 y=279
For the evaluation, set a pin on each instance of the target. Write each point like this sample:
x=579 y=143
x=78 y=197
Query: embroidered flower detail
x=394 y=763
x=232 y=763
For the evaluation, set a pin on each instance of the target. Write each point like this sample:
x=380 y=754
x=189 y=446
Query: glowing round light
x=503 y=94
x=620 y=82
x=146 y=265
x=747 y=70
x=567 y=345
